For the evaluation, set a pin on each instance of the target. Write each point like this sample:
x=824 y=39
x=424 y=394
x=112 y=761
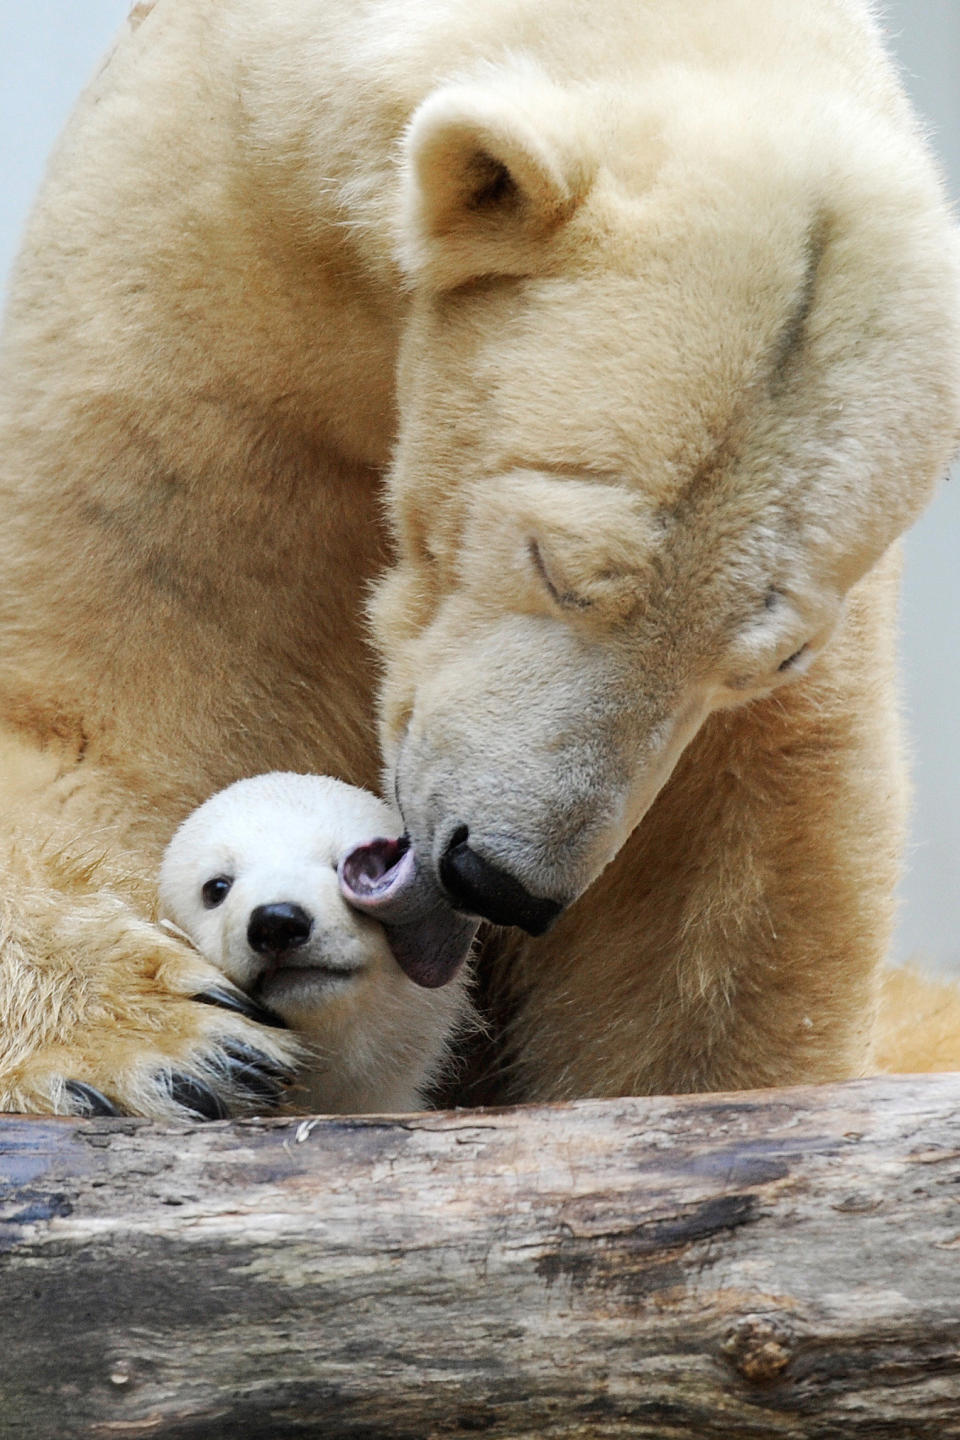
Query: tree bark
x=776 y=1264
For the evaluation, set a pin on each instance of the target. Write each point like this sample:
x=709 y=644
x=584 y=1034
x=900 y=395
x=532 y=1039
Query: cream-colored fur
x=376 y=1040
x=673 y=295
x=919 y=1023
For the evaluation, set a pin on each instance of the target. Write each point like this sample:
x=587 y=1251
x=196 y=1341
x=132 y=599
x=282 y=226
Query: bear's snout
x=272 y=930
x=478 y=887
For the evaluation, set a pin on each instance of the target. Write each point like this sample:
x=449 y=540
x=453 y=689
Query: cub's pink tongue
x=429 y=940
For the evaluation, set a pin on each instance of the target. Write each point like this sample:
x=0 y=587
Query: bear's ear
x=486 y=180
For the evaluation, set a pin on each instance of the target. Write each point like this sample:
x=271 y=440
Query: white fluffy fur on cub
x=251 y=877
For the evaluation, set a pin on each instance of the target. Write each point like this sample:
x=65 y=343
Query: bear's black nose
x=274 y=929
x=479 y=887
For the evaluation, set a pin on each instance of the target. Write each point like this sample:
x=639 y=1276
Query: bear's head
x=675 y=377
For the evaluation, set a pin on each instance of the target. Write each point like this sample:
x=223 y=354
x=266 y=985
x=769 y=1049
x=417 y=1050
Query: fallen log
x=775 y=1264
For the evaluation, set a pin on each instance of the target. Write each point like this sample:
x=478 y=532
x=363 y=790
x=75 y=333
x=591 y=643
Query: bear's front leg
x=105 y=1013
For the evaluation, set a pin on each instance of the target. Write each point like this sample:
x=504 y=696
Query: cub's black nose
x=482 y=888
x=273 y=929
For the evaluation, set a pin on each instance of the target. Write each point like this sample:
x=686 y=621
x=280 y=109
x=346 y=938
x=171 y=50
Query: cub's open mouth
x=384 y=879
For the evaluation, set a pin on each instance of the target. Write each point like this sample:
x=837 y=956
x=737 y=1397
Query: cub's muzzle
x=274 y=930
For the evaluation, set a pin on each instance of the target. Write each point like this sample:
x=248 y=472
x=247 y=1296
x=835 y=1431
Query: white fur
x=377 y=1038
x=644 y=321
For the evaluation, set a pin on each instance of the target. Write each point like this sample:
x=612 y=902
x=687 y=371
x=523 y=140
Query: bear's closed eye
x=792 y=660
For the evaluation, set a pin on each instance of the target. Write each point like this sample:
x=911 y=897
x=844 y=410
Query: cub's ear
x=486 y=179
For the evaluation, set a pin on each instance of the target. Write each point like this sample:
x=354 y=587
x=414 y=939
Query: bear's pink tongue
x=429 y=940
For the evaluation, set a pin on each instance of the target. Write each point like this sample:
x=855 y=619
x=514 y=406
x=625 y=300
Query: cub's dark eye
x=215 y=891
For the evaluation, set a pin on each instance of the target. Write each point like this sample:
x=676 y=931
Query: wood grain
x=777 y=1264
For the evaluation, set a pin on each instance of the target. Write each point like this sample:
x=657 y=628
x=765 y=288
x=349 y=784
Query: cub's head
x=673 y=381
x=251 y=877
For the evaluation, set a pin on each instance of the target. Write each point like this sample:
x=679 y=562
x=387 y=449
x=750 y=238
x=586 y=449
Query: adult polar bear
x=674 y=295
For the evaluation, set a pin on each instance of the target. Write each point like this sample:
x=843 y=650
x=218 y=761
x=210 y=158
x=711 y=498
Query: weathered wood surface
x=784 y=1264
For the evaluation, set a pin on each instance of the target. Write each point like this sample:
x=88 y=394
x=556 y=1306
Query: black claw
x=196 y=1098
x=244 y=1059
x=257 y=1086
x=257 y=1074
x=242 y=1004
x=88 y=1101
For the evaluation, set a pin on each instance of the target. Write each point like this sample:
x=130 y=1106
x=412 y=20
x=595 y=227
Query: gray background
x=47 y=50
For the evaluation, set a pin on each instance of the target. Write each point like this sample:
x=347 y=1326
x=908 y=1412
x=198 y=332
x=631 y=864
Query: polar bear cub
x=251 y=878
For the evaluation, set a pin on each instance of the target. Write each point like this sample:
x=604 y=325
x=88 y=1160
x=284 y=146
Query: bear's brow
x=790 y=339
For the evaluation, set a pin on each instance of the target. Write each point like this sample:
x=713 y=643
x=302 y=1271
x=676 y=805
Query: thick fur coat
x=622 y=345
